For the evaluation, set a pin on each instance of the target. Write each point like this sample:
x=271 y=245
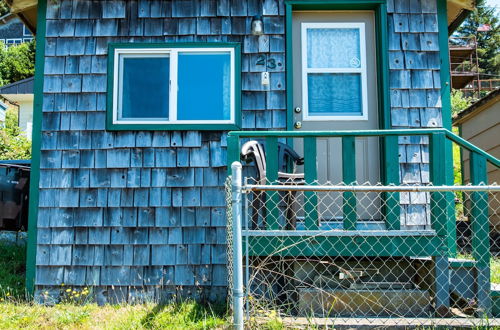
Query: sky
x=494 y=3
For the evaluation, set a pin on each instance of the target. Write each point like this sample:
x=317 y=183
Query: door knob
x=297 y=110
x=297 y=125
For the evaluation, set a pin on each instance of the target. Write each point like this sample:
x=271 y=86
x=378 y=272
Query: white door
x=335 y=88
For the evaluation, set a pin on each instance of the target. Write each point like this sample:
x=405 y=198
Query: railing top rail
x=362 y=188
x=469 y=146
x=385 y=132
x=364 y=133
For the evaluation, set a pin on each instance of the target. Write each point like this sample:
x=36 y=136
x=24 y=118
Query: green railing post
x=233 y=151
x=480 y=231
x=310 y=177
x=349 y=178
x=273 y=197
x=392 y=209
x=438 y=222
x=438 y=178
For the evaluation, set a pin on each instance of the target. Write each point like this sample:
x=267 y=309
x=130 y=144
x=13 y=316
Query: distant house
x=13 y=31
x=3 y=109
x=20 y=94
x=480 y=125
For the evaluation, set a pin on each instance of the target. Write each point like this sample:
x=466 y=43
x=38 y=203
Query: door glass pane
x=334 y=94
x=333 y=48
x=204 y=86
x=144 y=90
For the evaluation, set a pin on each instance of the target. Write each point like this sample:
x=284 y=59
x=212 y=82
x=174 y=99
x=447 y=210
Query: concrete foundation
x=364 y=303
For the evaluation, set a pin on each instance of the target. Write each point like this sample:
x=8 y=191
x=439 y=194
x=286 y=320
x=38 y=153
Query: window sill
x=171 y=127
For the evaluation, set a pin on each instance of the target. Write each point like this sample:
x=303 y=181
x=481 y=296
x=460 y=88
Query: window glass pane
x=204 y=82
x=144 y=92
x=333 y=48
x=334 y=94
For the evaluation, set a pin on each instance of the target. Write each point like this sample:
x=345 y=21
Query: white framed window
x=334 y=81
x=26 y=31
x=11 y=42
x=27 y=39
x=174 y=86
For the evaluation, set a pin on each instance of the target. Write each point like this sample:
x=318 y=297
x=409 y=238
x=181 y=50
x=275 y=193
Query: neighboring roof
x=482 y=104
x=458 y=10
x=27 y=11
x=7 y=17
x=24 y=86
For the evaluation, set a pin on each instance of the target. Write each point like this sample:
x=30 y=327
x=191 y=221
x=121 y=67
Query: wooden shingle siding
x=415 y=94
x=144 y=209
x=139 y=208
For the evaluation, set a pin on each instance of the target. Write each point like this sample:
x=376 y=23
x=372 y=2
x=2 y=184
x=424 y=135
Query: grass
x=495 y=270
x=187 y=315
x=19 y=312
x=12 y=270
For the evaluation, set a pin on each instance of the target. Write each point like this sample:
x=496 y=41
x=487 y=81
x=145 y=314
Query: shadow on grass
x=185 y=313
x=12 y=269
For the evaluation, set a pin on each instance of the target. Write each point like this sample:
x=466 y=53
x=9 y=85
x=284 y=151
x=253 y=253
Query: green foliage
x=12 y=271
x=17 y=62
x=4 y=9
x=13 y=142
x=488 y=43
x=459 y=102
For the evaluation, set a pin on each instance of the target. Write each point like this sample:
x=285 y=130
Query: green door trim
x=36 y=148
x=380 y=9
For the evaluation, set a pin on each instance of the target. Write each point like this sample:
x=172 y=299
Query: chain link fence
x=322 y=254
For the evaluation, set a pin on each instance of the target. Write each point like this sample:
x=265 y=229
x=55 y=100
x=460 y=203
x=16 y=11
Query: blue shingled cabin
x=134 y=101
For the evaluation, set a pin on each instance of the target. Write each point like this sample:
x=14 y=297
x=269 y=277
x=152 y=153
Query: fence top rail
x=362 y=188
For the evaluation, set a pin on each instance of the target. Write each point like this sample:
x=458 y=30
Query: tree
x=459 y=102
x=17 y=62
x=13 y=142
x=488 y=42
x=4 y=9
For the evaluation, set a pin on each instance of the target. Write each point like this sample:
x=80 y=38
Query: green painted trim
x=444 y=56
x=437 y=177
x=391 y=206
x=472 y=148
x=310 y=175
x=272 y=197
x=36 y=148
x=289 y=65
x=233 y=152
x=479 y=211
x=380 y=10
x=461 y=151
x=344 y=246
x=389 y=132
x=155 y=127
x=454 y=263
x=296 y=134
x=349 y=178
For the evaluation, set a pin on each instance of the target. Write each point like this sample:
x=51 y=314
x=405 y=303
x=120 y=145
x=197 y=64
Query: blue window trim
x=174 y=126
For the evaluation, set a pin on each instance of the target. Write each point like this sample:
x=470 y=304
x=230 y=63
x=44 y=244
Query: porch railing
x=440 y=168
x=275 y=242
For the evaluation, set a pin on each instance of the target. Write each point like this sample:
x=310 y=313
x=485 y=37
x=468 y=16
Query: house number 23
x=270 y=63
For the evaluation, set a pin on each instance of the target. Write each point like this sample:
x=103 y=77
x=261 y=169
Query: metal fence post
x=237 y=246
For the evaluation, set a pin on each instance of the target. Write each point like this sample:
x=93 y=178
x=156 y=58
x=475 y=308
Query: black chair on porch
x=254 y=152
